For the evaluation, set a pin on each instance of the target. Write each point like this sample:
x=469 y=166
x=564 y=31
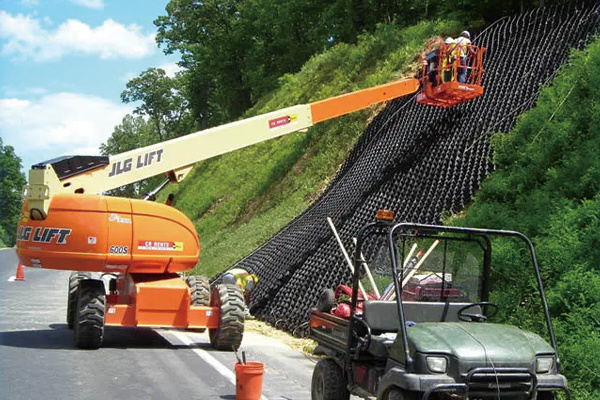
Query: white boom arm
x=177 y=156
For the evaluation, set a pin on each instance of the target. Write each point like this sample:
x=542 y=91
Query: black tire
x=230 y=302
x=326 y=300
x=74 y=279
x=328 y=382
x=199 y=293
x=89 y=315
x=199 y=290
x=400 y=394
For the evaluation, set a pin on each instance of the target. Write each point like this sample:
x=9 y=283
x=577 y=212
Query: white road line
x=203 y=354
x=12 y=278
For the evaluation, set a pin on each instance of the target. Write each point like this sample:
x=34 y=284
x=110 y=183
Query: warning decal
x=159 y=245
x=281 y=121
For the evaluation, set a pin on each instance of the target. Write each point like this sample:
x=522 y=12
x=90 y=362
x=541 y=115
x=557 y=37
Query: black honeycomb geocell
x=416 y=160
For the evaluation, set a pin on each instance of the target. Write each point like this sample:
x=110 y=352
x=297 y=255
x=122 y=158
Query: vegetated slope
x=547 y=185
x=418 y=161
x=239 y=200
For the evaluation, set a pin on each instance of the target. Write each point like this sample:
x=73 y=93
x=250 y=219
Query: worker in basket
x=462 y=42
x=448 y=58
x=243 y=279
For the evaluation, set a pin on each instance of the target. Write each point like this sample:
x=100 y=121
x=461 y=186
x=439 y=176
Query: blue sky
x=63 y=66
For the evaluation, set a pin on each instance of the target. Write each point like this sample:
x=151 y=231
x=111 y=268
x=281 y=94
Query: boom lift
x=67 y=224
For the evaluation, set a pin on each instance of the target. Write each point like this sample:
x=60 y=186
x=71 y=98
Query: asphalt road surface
x=38 y=359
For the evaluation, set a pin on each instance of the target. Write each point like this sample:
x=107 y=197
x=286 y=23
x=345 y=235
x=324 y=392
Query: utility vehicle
x=431 y=338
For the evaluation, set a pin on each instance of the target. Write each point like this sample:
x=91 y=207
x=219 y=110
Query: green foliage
x=234 y=51
x=11 y=184
x=375 y=59
x=2 y=236
x=547 y=185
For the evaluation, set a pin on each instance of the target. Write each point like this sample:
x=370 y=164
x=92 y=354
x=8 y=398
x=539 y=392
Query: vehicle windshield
x=440 y=269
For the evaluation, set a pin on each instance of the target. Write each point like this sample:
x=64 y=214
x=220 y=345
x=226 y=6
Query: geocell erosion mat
x=415 y=160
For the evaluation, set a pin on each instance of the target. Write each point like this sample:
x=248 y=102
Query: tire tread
x=89 y=315
x=228 y=335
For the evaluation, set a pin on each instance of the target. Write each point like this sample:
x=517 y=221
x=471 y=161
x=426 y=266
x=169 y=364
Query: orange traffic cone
x=20 y=273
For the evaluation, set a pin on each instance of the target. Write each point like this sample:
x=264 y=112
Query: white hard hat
x=466 y=34
x=449 y=40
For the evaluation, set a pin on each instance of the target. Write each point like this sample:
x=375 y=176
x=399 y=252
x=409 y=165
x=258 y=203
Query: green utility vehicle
x=427 y=337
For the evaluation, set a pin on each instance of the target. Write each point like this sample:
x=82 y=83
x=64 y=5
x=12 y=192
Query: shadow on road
x=59 y=337
x=52 y=339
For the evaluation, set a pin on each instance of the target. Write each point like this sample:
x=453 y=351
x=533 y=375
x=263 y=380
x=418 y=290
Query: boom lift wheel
x=230 y=302
x=200 y=293
x=199 y=290
x=328 y=382
x=74 y=279
x=89 y=314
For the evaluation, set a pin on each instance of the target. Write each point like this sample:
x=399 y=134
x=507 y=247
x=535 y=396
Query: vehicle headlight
x=544 y=364
x=437 y=364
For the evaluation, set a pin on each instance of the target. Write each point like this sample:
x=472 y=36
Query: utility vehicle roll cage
x=392 y=230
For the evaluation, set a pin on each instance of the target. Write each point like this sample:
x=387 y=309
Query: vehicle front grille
x=486 y=383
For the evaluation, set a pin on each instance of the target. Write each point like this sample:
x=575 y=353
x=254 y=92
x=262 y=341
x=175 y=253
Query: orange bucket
x=248 y=380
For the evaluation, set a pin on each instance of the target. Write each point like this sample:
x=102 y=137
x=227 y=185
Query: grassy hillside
x=547 y=185
x=239 y=200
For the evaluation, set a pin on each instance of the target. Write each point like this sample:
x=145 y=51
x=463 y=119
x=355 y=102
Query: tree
x=2 y=236
x=212 y=41
x=11 y=184
x=163 y=100
x=235 y=50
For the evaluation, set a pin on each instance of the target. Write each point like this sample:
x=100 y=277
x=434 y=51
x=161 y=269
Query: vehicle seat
x=382 y=316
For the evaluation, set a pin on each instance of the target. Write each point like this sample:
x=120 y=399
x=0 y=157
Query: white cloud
x=25 y=38
x=97 y=4
x=58 y=124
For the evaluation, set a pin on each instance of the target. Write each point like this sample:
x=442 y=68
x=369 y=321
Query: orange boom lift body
x=142 y=246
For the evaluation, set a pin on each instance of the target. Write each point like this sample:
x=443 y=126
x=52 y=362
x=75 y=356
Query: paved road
x=39 y=361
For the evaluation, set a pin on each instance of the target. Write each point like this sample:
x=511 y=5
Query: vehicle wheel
x=399 y=394
x=89 y=314
x=230 y=302
x=74 y=279
x=200 y=293
x=328 y=382
x=199 y=290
